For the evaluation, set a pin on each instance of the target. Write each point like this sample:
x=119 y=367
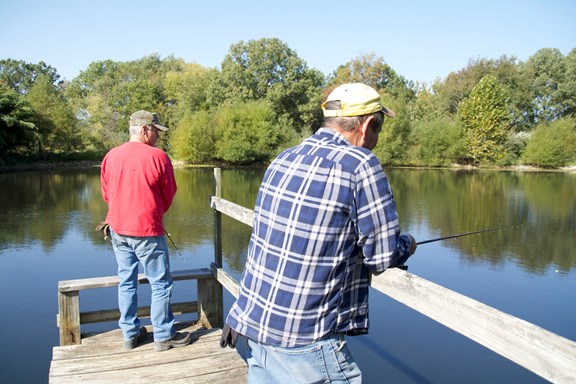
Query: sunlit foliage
x=264 y=97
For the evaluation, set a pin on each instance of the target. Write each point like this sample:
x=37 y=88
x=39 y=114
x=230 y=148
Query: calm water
x=47 y=234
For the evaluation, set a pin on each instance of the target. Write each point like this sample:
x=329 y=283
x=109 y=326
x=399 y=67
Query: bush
x=514 y=147
x=248 y=133
x=437 y=142
x=393 y=142
x=193 y=139
x=552 y=145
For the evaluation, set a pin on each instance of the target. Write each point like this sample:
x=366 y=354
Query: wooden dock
x=101 y=358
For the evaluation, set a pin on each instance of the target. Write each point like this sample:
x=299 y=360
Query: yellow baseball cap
x=356 y=99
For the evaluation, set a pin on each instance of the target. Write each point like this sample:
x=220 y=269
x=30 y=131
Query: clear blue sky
x=421 y=40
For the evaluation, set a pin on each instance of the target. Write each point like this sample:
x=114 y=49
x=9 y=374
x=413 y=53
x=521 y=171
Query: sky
x=422 y=40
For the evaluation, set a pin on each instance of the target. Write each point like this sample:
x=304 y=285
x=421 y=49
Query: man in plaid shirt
x=325 y=218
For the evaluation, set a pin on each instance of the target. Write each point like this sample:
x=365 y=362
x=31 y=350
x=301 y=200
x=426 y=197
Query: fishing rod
x=461 y=234
x=172 y=241
x=405 y=267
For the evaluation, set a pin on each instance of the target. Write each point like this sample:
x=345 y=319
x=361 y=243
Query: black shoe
x=131 y=344
x=180 y=339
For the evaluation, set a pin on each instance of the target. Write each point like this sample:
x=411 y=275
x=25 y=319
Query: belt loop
x=342 y=340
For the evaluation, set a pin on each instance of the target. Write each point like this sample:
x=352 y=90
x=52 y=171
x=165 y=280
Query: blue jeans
x=152 y=253
x=325 y=361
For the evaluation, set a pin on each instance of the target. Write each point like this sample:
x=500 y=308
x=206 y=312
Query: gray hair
x=135 y=130
x=352 y=122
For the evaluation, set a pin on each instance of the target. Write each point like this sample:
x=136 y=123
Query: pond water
x=528 y=270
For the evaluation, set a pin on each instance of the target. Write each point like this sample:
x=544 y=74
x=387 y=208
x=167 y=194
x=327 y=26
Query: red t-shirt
x=138 y=185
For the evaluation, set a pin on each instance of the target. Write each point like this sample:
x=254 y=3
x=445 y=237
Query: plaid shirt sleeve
x=324 y=217
x=378 y=224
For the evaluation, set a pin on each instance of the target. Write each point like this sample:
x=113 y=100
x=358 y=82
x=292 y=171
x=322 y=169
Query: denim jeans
x=152 y=253
x=325 y=361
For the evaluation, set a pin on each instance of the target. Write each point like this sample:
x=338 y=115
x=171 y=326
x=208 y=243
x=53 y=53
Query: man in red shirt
x=137 y=181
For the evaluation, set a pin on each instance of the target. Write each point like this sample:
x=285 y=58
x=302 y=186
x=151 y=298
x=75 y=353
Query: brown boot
x=131 y=344
x=180 y=339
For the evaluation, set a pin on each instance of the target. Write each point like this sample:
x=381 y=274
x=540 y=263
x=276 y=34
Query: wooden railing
x=70 y=318
x=548 y=355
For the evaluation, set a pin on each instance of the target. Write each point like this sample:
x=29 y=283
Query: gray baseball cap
x=144 y=117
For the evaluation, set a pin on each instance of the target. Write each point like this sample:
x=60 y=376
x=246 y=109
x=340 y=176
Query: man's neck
x=136 y=139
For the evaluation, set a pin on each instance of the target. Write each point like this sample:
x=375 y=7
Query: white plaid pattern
x=324 y=217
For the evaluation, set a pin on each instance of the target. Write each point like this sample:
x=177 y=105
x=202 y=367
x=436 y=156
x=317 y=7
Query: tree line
x=264 y=98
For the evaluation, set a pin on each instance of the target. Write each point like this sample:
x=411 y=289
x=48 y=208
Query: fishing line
x=175 y=247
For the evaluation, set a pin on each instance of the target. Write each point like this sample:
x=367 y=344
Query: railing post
x=217 y=218
x=69 y=311
x=210 y=308
x=210 y=292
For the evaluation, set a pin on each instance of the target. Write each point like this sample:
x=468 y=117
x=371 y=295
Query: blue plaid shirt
x=324 y=218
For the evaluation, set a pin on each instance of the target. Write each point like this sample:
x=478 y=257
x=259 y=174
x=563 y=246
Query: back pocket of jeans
x=305 y=364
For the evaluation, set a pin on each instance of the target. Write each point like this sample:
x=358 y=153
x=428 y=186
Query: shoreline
x=51 y=166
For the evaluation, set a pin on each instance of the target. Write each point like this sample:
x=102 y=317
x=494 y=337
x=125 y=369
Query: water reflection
x=47 y=235
x=539 y=207
x=41 y=207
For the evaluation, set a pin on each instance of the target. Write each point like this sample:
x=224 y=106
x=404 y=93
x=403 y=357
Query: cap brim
x=388 y=112
x=160 y=127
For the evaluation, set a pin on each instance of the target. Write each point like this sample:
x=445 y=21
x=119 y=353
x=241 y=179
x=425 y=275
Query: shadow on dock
x=101 y=358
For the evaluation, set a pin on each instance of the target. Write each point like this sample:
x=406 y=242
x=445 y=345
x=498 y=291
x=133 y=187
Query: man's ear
x=366 y=125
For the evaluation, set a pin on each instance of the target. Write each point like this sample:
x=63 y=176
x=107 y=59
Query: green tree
x=552 y=145
x=458 y=85
x=17 y=131
x=393 y=143
x=54 y=118
x=267 y=69
x=423 y=107
x=108 y=92
x=193 y=139
x=567 y=88
x=92 y=96
x=374 y=72
x=546 y=73
x=486 y=121
x=187 y=90
x=249 y=132
x=21 y=76
x=436 y=142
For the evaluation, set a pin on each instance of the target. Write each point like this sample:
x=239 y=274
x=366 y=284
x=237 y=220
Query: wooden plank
x=104 y=343
x=218 y=368
x=546 y=354
x=115 y=335
x=106 y=347
x=226 y=280
x=105 y=361
x=238 y=212
x=143 y=312
x=112 y=281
